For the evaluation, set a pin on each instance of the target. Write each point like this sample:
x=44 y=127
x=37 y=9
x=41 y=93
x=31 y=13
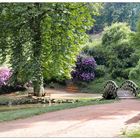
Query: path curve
x=106 y=120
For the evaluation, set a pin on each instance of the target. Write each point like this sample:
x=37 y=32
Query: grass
x=133 y=134
x=29 y=112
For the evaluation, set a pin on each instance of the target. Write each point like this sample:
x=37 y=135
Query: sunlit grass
x=134 y=134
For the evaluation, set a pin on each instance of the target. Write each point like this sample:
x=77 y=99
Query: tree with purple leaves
x=84 y=69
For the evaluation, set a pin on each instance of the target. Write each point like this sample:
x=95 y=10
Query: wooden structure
x=127 y=88
x=131 y=86
x=110 y=90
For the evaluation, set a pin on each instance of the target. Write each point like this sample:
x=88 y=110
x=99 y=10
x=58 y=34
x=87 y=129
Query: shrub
x=9 y=89
x=113 y=34
x=135 y=72
x=96 y=50
x=116 y=40
x=122 y=61
x=84 y=70
x=5 y=87
x=5 y=74
x=100 y=71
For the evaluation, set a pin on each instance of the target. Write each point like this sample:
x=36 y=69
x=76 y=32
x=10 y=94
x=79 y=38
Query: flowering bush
x=84 y=70
x=5 y=74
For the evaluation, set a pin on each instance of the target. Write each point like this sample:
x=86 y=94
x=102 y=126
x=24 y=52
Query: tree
x=135 y=72
x=40 y=36
x=117 y=12
x=116 y=39
x=115 y=33
x=135 y=38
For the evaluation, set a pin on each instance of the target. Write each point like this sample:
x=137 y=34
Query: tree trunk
x=37 y=50
x=38 y=86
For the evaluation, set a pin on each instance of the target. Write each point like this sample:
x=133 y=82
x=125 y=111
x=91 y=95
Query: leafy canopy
x=42 y=38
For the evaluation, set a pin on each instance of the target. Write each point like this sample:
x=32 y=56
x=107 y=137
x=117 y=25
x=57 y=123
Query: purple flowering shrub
x=84 y=69
x=5 y=74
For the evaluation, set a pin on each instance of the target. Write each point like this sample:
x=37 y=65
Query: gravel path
x=106 y=120
x=61 y=94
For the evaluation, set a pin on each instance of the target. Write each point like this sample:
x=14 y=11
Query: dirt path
x=61 y=94
x=106 y=120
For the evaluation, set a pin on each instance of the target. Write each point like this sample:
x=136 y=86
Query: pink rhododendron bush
x=5 y=87
x=5 y=74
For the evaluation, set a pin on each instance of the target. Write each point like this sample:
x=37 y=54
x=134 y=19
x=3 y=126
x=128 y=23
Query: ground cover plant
x=132 y=133
x=135 y=134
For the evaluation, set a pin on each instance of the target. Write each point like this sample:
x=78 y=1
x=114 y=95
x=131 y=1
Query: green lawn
x=133 y=134
x=7 y=115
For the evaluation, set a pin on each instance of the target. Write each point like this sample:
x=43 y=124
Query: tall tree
x=43 y=35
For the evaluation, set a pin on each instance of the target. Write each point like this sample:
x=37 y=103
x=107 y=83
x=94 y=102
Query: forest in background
x=117 y=12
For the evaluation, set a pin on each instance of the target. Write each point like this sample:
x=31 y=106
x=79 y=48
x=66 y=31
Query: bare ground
x=106 y=120
x=61 y=94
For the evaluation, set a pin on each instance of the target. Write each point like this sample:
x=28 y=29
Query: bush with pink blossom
x=5 y=74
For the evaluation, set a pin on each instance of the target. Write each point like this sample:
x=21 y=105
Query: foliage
x=117 y=12
x=96 y=86
x=115 y=33
x=116 y=39
x=65 y=41
x=117 y=50
x=9 y=89
x=5 y=74
x=135 y=134
x=121 y=63
x=132 y=133
x=43 y=38
x=96 y=50
x=135 y=72
x=84 y=69
x=135 y=39
x=99 y=54
x=100 y=71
